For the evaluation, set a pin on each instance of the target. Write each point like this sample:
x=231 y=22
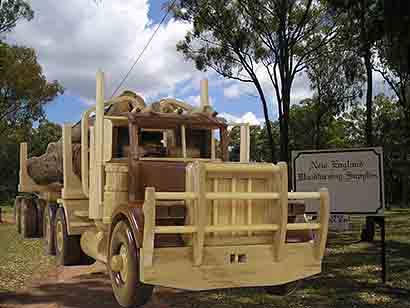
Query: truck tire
x=17 y=213
x=40 y=207
x=28 y=218
x=49 y=215
x=68 y=249
x=129 y=291
x=283 y=289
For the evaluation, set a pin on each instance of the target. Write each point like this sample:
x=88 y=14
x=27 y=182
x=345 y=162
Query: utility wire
x=143 y=50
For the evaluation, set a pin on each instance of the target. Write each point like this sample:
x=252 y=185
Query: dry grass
x=20 y=259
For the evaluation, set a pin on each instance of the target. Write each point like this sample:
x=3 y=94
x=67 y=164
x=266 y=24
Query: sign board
x=354 y=178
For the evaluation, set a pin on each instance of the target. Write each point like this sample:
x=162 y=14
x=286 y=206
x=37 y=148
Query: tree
x=222 y=40
x=365 y=26
x=12 y=11
x=336 y=76
x=24 y=89
x=398 y=81
x=45 y=133
x=236 y=38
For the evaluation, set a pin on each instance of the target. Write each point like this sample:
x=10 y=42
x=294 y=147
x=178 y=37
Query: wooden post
x=204 y=94
x=199 y=236
x=320 y=243
x=280 y=235
x=213 y=146
x=183 y=141
x=245 y=144
x=149 y=226
x=99 y=138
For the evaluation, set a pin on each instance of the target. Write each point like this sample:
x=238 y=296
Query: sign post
x=354 y=178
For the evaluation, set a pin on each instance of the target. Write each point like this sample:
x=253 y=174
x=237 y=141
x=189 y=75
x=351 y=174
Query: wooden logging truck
x=156 y=197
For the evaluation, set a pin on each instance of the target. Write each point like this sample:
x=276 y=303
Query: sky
x=75 y=38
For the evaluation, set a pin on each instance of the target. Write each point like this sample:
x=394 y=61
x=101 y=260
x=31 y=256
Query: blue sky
x=73 y=40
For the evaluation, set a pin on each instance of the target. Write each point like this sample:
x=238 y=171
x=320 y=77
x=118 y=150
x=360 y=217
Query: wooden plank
x=242 y=196
x=199 y=236
x=238 y=167
x=218 y=272
x=320 y=243
x=149 y=226
x=215 y=203
x=239 y=228
x=303 y=226
x=249 y=206
x=176 y=196
x=234 y=203
x=279 y=238
x=183 y=141
x=175 y=229
x=303 y=195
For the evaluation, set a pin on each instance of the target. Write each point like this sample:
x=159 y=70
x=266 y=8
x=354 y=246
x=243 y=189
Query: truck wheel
x=68 y=250
x=283 y=289
x=17 y=213
x=40 y=206
x=28 y=218
x=48 y=229
x=123 y=266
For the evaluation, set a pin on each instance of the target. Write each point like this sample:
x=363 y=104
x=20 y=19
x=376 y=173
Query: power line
x=143 y=50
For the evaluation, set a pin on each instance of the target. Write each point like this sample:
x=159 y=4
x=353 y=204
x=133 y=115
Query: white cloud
x=76 y=38
x=248 y=117
x=195 y=100
x=233 y=91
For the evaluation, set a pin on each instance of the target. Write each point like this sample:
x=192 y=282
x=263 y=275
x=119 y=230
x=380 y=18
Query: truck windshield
x=169 y=143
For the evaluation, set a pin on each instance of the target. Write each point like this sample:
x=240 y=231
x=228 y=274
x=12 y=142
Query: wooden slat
x=303 y=226
x=303 y=195
x=238 y=228
x=279 y=239
x=175 y=196
x=242 y=196
x=234 y=203
x=320 y=244
x=183 y=141
x=149 y=226
x=175 y=229
x=200 y=221
x=238 y=167
x=249 y=206
x=215 y=204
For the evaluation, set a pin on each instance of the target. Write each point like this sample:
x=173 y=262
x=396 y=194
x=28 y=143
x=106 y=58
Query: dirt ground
x=72 y=287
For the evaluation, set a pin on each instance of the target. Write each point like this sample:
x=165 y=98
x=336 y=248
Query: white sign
x=354 y=178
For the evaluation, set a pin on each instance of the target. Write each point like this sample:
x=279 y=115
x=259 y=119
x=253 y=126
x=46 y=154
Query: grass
x=351 y=276
x=20 y=259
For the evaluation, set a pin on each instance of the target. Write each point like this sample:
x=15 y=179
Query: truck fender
x=134 y=215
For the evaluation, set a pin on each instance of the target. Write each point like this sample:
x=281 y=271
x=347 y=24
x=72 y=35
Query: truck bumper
x=230 y=266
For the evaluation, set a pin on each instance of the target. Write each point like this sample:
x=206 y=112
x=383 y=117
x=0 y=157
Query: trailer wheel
x=28 y=218
x=123 y=266
x=68 y=248
x=283 y=289
x=48 y=229
x=17 y=213
x=40 y=206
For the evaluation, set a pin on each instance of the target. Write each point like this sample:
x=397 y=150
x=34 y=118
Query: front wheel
x=283 y=289
x=123 y=267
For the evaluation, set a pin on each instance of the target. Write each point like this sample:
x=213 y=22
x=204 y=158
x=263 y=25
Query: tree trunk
x=267 y=121
x=369 y=97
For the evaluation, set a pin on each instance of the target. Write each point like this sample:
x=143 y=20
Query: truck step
x=81 y=213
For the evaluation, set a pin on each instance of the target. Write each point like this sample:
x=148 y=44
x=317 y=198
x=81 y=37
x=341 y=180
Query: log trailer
x=157 y=197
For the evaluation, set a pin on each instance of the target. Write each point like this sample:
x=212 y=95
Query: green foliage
x=24 y=89
x=12 y=11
